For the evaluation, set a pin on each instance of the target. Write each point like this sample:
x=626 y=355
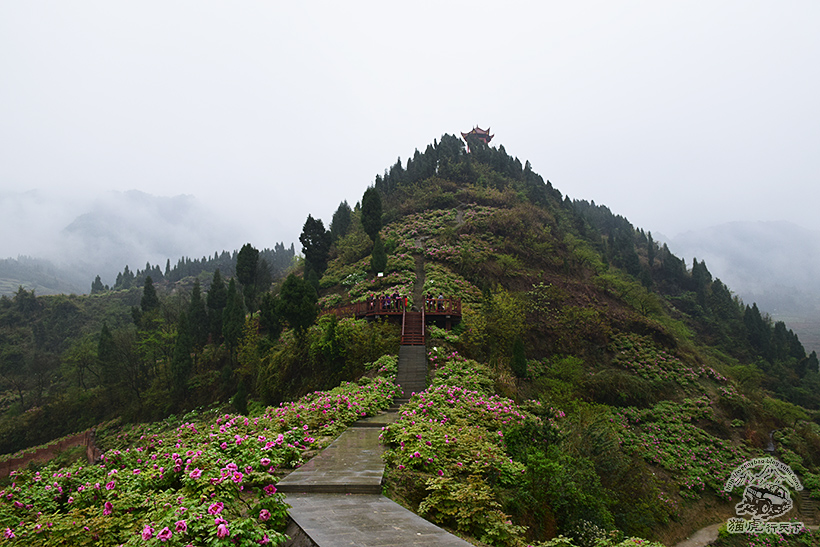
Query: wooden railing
x=442 y=306
x=436 y=306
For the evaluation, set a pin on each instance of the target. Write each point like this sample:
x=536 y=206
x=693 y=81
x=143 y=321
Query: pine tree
x=519 y=359
x=315 y=245
x=217 y=299
x=106 y=355
x=341 y=221
x=247 y=263
x=150 y=300
x=378 y=260
x=97 y=286
x=197 y=318
x=372 y=212
x=181 y=362
x=297 y=303
x=233 y=319
x=269 y=315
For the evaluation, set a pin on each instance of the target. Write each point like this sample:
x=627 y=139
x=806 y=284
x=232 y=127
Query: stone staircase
x=335 y=497
x=412 y=372
x=808 y=508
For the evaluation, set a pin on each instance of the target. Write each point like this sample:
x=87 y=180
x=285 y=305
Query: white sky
x=677 y=115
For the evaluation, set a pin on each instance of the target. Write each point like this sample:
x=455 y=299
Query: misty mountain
x=102 y=236
x=776 y=264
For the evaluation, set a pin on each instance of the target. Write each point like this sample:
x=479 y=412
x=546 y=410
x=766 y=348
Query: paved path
x=364 y=520
x=702 y=537
x=335 y=497
x=351 y=464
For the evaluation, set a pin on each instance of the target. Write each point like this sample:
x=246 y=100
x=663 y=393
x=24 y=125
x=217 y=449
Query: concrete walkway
x=352 y=464
x=364 y=520
x=335 y=497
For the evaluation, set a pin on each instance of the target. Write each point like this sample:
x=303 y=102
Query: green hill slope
x=664 y=381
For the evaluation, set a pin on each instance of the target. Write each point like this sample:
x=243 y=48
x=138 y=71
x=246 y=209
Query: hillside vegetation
x=595 y=387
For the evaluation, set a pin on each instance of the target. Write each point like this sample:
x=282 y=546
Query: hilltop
x=594 y=386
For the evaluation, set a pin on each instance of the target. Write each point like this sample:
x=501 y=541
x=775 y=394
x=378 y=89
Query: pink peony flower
x=147 y=532
x=270 y=490
x=196 y=473
x=109 y=485
x=216 y=508
x=264 y=514
x=8 y=534
x=181 y=526
x=165 y=534
x=222 y=531
x=107 y=508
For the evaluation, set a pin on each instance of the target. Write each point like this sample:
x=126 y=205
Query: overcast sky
x=677 y=115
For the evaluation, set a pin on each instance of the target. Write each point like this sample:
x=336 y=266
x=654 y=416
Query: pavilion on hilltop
x=481 y=134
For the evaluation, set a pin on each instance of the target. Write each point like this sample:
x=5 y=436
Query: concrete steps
x=412 y=373
x=352 y=464
x=808 y=508
x=323 y=511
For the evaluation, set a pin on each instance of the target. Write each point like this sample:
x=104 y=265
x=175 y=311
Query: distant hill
x=101 y=237
x=41 y=276
x=776 y=264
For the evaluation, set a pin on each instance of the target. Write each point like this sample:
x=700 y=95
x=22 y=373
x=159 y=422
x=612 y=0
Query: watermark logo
x=765 y=497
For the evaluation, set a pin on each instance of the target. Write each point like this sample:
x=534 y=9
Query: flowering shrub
x=665 y=435
x=207 y=480
x=442 y=334
x=453 y=369
x=386 y=365
x=427 y=224
x=440 y=280
x=641 y=356
x=451 y=440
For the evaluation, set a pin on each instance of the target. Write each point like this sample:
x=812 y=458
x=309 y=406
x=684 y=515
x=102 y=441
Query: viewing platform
x=442 y=312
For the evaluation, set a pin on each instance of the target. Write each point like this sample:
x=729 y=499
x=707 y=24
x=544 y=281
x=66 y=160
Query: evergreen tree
x=150 y=300
x=217 y=299
x=264 y=279
x=372 y=212
x=97 y=286
x=519 y=359
x=197 y=318
x=269 y=315
x=341 y=221
x=378 y=260
x=233 y=319
x=297 y=303
x=315 y=245
x=181 y=362
x=247 y=263
x=107 y=355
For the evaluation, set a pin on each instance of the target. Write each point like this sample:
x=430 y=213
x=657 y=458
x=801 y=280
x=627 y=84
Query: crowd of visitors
x=434 y=304
x=399 y=302
x=394 y=302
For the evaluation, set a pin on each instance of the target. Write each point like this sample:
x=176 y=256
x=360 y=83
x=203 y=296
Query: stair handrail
x=403 y=323
x=423 y=325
